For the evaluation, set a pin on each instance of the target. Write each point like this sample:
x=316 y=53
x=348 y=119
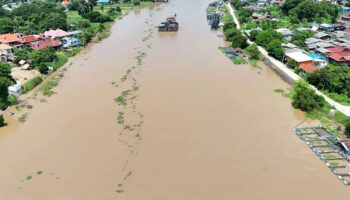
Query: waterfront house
x=70 y=42
x=300 y=58
x=45 y=43
x=6 y=52
x=345 y=146
x=238 y=51
x=56 y=33
x=14 y=89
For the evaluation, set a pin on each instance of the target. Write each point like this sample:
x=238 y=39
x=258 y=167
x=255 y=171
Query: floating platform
x=326 y=147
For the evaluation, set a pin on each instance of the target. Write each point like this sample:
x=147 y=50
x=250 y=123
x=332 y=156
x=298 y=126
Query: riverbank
x=288 y=74
x=290 y=77
x=44 y=88
x=200 y=114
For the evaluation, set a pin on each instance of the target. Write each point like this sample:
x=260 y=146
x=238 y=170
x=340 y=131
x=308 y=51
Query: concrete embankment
x=287 y=74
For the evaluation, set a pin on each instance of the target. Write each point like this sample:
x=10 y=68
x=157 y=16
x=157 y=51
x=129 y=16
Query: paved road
x=282 y=67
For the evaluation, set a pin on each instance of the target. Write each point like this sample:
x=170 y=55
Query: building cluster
x=53 y=38
x=330 y=43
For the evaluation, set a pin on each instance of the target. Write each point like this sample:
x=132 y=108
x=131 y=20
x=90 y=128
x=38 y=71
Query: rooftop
x=309 y=68
x=299 y=56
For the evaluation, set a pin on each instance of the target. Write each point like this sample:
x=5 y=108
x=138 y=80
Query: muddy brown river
x=188 y=124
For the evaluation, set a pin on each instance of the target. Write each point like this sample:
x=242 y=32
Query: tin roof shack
x=301 y=58
x=327 y=27
x=311 y=43
x=322 y=36
x=345 y=146
x=339 y=27
x=287 y=34
x=345 y=17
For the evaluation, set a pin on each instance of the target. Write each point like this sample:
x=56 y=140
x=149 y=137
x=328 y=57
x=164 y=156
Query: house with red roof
x=12 y=39
x=308 y=68
x=45 y=43
x=339 y=54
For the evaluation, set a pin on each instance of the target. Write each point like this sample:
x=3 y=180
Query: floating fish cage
x=325 y=145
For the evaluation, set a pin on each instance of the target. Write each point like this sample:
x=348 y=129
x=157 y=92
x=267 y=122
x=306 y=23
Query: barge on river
x=170 y=25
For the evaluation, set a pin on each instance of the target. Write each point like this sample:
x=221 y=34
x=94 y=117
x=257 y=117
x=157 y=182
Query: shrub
x=253 y=51
x=347 y=130
x=305 y=98
x=31 y=84
x=2 y=121
x=238 y=60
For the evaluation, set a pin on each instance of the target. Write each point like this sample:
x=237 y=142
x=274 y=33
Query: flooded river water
x=188 y=124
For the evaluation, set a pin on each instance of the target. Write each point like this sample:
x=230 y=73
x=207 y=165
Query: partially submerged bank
x=335 y=120
x=40 y=86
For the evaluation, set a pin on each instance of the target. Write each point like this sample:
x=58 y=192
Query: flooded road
x=162 y=116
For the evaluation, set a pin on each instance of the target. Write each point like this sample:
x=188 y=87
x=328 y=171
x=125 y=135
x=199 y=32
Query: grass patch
x=238 y=60
x=31 y=84
x=61 y=60
x=46 y=89
x=73 y=52
x=279 y=91
x=340 y=98
x=120 y=100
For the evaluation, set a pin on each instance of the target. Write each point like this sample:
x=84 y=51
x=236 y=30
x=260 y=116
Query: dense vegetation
x=232 y=34
x=305 y=98
x=34 y=17
x=332 y=79
x=310 y=10
x=5 y=81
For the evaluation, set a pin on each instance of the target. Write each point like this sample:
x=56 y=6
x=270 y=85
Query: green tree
x=253 y=34
x=43 y=56
x=43 y=69
x=239 y=41
x=292 y=64
x=253 y=51
x=305 y=98
x=21 y=54
x=5 y=70
x=347 y=129
x=6 y=25
x=4 y=84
